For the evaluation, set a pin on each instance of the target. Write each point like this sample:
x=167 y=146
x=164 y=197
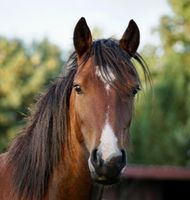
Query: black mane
x=38 y=149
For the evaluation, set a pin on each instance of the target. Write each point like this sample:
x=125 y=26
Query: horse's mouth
x=103 y=180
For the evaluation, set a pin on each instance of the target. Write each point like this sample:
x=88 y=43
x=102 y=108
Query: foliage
x=23 y=73
x=161 y=131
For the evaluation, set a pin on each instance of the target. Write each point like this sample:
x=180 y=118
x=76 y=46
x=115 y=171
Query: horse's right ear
x=82 y=37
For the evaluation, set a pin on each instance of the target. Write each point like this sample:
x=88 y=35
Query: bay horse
x=77 y=132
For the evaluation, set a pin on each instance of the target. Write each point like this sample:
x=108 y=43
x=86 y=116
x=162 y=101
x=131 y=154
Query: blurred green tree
x=161 y=130
x=24 y=71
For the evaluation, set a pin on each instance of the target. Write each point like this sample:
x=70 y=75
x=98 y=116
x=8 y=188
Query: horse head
x=102 y=97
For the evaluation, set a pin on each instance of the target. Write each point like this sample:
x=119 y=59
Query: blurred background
x=36 y=39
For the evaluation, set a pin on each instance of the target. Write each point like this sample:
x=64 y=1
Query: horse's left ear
x=82 y=37
x=130 y=39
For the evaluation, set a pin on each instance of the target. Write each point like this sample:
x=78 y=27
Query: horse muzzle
x=106 y=172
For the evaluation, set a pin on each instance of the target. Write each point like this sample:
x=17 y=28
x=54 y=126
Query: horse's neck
x=5 y=179
x=71 y=179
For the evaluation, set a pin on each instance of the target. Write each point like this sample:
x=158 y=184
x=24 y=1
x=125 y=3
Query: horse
x=77 y=132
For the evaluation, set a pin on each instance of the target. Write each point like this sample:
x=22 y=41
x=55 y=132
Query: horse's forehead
x=92 y=70
x=85 y=72
x=89 y=72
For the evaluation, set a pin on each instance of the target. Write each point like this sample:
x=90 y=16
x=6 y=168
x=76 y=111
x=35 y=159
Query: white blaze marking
x=108 y=143
x=107 y=87
x=111 y=75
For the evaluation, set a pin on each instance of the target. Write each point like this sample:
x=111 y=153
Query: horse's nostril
x=118 y=161
x=124 y=158
x=96 y=159
x=94 y=155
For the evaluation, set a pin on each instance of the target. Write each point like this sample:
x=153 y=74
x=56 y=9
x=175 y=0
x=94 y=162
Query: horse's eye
x=135 y=91
x=78 y=89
